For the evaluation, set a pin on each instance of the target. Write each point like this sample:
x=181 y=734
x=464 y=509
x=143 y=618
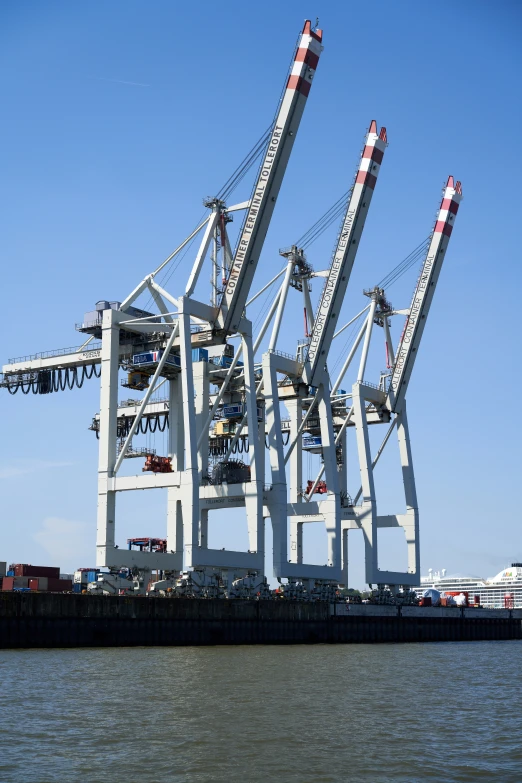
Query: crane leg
x=254 y=488
x=278 y=494
x=331 y=507
x=176 y=453
x=367 y=516
x=106 y=513
x=189 y=483
x=409 y=521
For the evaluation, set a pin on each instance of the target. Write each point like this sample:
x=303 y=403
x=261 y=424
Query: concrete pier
x=69 y=620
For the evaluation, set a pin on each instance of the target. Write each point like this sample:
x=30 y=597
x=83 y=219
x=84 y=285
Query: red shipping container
x=33 y=584
x=59 y=585
x=8 y=582
x=25 y=569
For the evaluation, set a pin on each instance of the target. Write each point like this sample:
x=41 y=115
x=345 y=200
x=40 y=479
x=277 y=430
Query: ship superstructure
x=497 y=592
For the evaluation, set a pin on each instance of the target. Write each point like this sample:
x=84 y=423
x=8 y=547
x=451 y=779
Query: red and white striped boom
x=421 y=302
x=345 y=251
x=271 y=174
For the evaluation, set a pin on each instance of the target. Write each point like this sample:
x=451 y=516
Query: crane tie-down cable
x=49 y=381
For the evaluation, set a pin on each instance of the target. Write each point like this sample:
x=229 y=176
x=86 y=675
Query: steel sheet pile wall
x=54 y=620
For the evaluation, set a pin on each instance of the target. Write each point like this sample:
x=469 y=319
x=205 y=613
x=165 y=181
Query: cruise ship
x=501 y=591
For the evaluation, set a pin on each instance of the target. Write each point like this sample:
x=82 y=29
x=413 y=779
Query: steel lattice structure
x=216 y=444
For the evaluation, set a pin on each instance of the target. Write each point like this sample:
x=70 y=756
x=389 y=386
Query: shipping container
x=225 y=361
x=3 y=568
x=25 y=569
x=233 y=411
x=152 y=357
x=85 y=575
x=8 y=582
x=59 y=585
x=33 y=584
x=17 y=581
x=312 y=443
x=236 y=410
x=199 y=355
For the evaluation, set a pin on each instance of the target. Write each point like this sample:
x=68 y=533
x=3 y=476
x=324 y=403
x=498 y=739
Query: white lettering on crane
x=412 y=321
x=331 y=283
x=253 y=211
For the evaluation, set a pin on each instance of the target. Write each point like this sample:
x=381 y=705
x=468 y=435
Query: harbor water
x=256 y=714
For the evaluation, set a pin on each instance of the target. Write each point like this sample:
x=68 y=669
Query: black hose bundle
x=48 y=381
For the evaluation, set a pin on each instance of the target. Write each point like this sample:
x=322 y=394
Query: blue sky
x=120 y=117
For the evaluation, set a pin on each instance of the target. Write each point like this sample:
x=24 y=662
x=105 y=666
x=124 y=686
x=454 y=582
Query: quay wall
x=71 y=620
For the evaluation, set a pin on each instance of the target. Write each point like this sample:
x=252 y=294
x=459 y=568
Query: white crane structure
x=224 y=398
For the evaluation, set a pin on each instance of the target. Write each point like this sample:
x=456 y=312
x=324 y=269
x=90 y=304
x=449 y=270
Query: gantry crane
x=393 y=399
x=189 y=497
x=223 y=400
x=314 y=375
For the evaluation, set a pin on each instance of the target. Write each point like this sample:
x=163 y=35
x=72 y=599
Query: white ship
x=498 y=592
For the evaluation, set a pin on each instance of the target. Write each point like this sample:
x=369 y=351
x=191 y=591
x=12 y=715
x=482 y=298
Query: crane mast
x=266 y=190
x=423 y=295
x=345 y=251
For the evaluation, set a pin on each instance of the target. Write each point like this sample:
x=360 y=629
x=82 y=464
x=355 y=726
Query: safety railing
x=57 y=352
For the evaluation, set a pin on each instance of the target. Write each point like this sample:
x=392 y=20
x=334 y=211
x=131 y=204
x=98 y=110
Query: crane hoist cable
x=258 y=148
x=326 y=220
x=261 y=144
x=405 y=264
x=247 y=162
x=223 y=194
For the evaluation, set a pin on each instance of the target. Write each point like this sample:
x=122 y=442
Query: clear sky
x=118 y=118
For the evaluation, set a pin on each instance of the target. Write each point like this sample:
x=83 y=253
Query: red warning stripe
x=365 y=178
x=373 y=153
x=305 y=55
x=450 y=205
x=299 y=84
x=441 y=227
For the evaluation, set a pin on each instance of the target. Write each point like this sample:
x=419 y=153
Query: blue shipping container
x=199 y=355
x=231 y=411
x=311 y=441
x=226 y=361
x=153 y=357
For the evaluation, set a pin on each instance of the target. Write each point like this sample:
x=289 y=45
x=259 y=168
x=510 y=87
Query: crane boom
x=423 y=295
x=257 y=220
x=345 y=251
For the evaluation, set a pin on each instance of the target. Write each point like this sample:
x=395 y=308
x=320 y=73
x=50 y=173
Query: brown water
x=317 y=714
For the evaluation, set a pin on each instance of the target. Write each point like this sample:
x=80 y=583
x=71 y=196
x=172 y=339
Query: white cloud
x=21 y=467
x=70 y=542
